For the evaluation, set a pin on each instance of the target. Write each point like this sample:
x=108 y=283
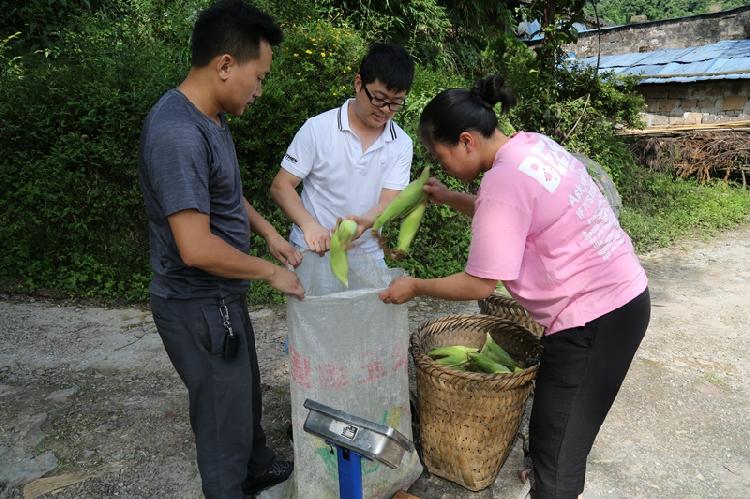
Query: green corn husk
x=406 y=200
x=340 y=238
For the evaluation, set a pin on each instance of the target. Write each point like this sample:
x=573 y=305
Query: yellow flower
x=296 y=55
x=322 y=54
x=308 y=51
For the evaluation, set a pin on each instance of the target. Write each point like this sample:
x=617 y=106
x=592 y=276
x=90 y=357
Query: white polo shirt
x=337 y=178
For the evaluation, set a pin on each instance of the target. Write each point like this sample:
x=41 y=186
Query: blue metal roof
x=726 y=60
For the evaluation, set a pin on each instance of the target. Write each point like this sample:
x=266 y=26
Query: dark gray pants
x=225 y=396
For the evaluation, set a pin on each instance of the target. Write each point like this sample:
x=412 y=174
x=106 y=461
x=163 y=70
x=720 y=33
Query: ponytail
x=457 y=110
x=491 y=89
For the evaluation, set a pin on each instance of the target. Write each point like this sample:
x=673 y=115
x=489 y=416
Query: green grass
x=659 y=209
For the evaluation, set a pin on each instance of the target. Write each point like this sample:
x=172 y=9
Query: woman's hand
x=459 y=286
x=437 y=191
x=440 y=194
x=401 y=290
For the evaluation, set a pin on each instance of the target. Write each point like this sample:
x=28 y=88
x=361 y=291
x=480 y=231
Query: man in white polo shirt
x=352 y=160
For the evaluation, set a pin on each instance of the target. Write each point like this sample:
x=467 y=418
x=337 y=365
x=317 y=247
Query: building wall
x=678 y=33
x=696 y=103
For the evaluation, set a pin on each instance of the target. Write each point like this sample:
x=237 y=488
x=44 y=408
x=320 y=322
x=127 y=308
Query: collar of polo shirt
x=342 y=118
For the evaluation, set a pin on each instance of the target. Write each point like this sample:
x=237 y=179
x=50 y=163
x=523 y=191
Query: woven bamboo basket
x=469 y=420
x=508 y=308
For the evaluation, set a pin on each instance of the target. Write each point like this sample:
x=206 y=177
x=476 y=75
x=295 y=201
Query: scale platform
x=373 y=441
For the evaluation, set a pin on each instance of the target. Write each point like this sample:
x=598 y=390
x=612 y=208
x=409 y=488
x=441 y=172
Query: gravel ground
x=90 y=406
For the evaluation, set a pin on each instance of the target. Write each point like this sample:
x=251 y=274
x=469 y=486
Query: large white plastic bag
x=348 y=350
x=603 y=181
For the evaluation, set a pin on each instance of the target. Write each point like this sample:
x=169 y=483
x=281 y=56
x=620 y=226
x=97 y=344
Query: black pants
x=225 y=395
x=580 y=373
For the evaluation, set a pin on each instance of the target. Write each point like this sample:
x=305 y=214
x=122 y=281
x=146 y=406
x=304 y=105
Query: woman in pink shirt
x=542 y=227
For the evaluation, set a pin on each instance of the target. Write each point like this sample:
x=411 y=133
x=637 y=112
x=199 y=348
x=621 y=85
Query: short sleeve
x=178 y=170
x=498 y=240
x=398 y=174
x=300 y=155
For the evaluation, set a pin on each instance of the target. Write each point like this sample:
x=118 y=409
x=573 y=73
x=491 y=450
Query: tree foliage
x=619 y=12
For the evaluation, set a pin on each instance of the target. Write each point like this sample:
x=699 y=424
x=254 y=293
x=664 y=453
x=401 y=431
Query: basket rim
x=425 y=361
x=503 y=306
x=500 y=296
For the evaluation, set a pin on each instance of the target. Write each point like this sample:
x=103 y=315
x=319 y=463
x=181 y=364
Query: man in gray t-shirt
x=199 y=226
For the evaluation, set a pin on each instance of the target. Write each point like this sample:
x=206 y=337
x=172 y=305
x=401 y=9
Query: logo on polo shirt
x=290 y=158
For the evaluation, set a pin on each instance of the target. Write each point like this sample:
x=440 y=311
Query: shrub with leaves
x=72 y=217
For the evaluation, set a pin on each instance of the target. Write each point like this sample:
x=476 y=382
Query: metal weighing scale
x=355 y=438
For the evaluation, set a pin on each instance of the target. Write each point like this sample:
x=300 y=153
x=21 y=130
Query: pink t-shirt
x=542 y=226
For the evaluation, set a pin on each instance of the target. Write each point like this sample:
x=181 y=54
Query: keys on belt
x=231 y=340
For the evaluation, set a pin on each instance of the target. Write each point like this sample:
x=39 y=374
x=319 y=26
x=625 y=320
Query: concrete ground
x=90 y=406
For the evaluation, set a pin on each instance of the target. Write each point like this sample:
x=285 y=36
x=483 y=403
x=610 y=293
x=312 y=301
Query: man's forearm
x=291 y=204
x=386 y=196
x=258 y=224
x=218 y=258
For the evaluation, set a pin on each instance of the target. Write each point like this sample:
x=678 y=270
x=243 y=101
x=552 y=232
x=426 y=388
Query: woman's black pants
x=579 y=375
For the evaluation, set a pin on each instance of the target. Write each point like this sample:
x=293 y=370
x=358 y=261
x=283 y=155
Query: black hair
x=388 y=63
x=457 y=110
x=231 y=27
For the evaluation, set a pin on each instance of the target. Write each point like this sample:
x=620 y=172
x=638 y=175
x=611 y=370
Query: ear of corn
x=338 y=260
x=406 y=200
x=486 y=364
x=496 y=353
x=452 y=360
x=410 y=226
x=346 y=230
x=340 y=238
x=452 y=350
x=453 y=356
x=464 y=358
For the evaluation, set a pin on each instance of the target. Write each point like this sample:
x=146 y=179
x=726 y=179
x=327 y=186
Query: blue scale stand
x=355 y=438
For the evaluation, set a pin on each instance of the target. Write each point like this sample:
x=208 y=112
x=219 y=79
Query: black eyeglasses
x=381 y=103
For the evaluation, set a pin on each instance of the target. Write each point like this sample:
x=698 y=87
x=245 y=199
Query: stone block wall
x=677 y=33
x=696 y=103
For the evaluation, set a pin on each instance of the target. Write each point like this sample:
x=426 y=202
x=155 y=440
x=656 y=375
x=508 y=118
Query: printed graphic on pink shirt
x=547 y=163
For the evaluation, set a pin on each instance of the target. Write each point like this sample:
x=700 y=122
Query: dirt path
x=89 y=401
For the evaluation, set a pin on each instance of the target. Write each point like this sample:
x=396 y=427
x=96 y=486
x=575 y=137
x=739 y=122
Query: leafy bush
x=72 y=218
x=40 y=22
x=576 y=106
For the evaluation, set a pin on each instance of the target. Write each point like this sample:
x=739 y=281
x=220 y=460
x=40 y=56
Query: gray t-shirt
x=187 y=161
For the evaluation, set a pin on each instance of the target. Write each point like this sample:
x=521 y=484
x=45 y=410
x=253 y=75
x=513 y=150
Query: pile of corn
x=492 y=358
